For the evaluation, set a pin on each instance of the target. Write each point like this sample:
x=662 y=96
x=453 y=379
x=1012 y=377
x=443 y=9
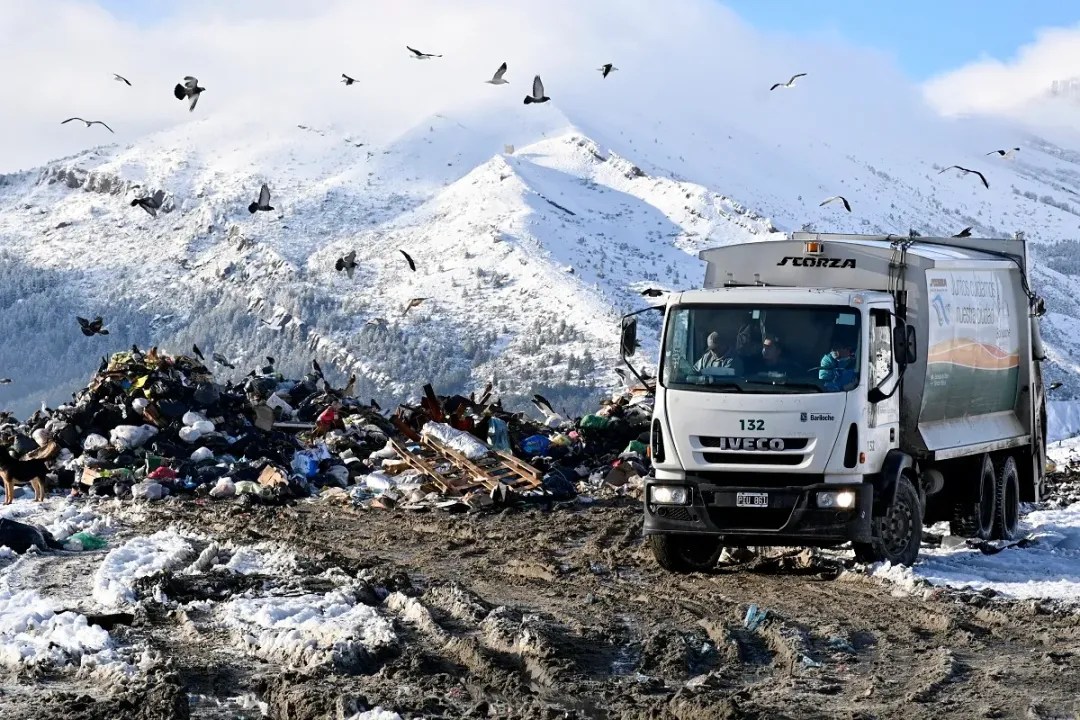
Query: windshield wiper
x=794 y=385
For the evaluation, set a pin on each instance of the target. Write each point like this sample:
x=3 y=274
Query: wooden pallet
x=452 y=472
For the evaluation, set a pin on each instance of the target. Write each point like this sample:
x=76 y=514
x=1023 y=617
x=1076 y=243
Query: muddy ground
x=563 y=613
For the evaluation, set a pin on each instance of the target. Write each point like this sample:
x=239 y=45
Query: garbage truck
x=830 y=388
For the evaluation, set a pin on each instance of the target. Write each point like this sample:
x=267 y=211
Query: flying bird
x=92 y=327
x=497 y=78
x=222 y=360
x=1004 y=153
x=5 y=381
x=966 y=232
x=198 y=353
x=316 y=368
x=966 y=171
x=408 y=259
x=263 y=203
x=420 y=55
x=412 y=303
x=607 y=69
x=88 y=123
x=789 y=83
x=652 y=292
x=347 y=80
x=347 y=263
x=121 y=78
x=150 y=203
x=537 y=92
x=543 y=405
x=350 y=388
x=841 y=198
x=189 y=89
x=1055 y=385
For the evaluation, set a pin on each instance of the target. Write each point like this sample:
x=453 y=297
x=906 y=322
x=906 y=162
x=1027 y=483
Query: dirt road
x=537 y=614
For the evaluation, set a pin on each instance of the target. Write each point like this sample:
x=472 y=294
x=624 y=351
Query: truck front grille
x=742 y=479
x=763 y=519
x=752 y=459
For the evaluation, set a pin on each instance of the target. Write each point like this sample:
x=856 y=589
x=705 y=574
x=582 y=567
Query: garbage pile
x=150 y=425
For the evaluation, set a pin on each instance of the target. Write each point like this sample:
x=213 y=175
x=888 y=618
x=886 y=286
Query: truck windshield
x=762 y=349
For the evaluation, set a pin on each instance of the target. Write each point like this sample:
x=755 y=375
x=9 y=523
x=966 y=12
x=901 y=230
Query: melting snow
x=138 y=557
x=33 y=633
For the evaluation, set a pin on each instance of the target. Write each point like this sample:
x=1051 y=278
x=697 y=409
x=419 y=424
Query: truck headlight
x=669 y=495
x=843 y=499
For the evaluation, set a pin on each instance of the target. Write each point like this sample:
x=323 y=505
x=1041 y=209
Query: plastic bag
x=87 y=541
x=498 y=434
x=535 y=445
x=129 y=437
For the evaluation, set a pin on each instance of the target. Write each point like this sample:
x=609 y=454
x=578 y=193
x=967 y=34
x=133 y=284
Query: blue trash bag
x=560 y=484
x=535 y=445
x=498 y=435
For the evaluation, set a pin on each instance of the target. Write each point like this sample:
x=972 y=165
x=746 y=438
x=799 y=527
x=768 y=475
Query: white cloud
x=687 y=67
x=1032 y=87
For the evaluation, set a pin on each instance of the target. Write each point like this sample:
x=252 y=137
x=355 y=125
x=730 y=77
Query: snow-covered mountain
x=526 y=257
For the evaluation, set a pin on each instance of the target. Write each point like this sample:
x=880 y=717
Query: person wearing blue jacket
x=837 y=367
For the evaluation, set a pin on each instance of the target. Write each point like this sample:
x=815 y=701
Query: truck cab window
x=881 y=352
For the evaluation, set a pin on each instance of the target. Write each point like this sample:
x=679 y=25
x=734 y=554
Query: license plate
x=750 y=499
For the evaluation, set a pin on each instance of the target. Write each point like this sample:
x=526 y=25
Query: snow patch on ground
x=309 y=630
x=1048 y=569
x=137 y=558
x=376 y=714
x=33 y=633
x=61 y=516
x=262 y=559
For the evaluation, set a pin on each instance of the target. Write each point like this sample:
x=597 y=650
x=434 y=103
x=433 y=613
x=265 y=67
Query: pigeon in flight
x=222 y=360
x=966 y=232
x=198 y=353
x=347 y=263
x=150 y=203
x=408 y=259
x=347 y=80
x=841 y=198
x=966 y=171
x=412 y=303
x=263 y=203
x=537 y=93
x=121 y=78
x=420 y=55
x=789 y=83
x=1004 y=153
x=88 y=123
x=497 y=78
x=652 y=292
x=189 y=89
x=607 y=69
x=92 y=327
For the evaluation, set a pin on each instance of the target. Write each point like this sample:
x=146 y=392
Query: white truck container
x=846 y=388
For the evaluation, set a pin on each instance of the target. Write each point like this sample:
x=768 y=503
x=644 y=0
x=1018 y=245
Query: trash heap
x=150 y=426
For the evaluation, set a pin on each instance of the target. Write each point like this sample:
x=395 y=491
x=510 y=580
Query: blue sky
x=926 y=37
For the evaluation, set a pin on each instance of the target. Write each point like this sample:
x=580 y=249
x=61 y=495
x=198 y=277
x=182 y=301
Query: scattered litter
x=754 y=617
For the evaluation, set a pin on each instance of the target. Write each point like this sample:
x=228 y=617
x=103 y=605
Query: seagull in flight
x=966 y=171
x=347 y=263
x=789 y=83
x=420 y=55
x=412 y=303
x=607 y=69
x=1005 y=153
x=347 y=80
x=263 y=203
x=966 y=232
x=497 y=78
x=652 y=292
x=88 y=123
x=189 y=89
x=537 y=92
x=121 y=78
x=841 y=198
x=408 y=259
x=150 y=203
x=92 y=327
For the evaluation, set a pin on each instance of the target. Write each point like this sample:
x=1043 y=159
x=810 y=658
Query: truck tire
x=897 y=534
x=686 y=553
x=1007 y=506
x=973 y=511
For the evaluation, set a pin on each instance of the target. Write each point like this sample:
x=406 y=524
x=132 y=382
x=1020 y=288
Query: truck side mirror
x=628 y=343
x=904 y=344
x=910 y=347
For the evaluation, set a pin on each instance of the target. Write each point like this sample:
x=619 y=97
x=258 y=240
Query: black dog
x=21 y=537
x=22 y=471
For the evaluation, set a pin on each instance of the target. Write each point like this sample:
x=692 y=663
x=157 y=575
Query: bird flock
x=190 y=90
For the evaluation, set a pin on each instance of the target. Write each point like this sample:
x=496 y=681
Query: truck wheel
x=897 y=534
x=973 y=513
x=686 y=553
x=1007 y=508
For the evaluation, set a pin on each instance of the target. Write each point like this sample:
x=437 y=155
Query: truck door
x=883 y=420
